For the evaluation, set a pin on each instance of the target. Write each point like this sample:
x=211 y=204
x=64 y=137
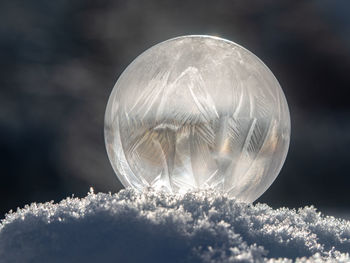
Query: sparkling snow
x=153 y=227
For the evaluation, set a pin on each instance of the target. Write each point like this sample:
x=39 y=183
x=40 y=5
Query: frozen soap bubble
x=198 y=112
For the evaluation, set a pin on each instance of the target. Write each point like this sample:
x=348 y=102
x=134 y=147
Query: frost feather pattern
x=198 y=112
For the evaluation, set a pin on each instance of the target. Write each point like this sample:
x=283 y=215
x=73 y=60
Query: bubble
x=198 y=112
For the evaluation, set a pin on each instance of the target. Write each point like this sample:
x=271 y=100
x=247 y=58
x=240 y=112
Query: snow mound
x=158 y=227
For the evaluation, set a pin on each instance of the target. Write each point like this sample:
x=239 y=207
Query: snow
x=159 y=227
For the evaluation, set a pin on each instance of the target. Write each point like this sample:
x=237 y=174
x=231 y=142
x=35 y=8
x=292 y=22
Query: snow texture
x=159 y=227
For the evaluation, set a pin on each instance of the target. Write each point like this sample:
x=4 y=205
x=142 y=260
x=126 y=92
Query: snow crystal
x=159 y=227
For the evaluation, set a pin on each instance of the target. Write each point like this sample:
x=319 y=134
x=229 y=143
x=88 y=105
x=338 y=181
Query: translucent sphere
x=198 y=112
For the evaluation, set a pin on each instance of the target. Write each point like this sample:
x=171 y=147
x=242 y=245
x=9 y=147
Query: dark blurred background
x=60 y=59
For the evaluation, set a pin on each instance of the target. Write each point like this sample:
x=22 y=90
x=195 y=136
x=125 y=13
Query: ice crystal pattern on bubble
x=198 y=112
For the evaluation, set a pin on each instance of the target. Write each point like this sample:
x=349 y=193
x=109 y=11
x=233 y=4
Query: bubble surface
x=198 y=112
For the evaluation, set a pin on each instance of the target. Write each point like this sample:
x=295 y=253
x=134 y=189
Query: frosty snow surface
x=158 y=227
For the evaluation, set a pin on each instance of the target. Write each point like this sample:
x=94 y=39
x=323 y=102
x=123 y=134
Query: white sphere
x=198 y=112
